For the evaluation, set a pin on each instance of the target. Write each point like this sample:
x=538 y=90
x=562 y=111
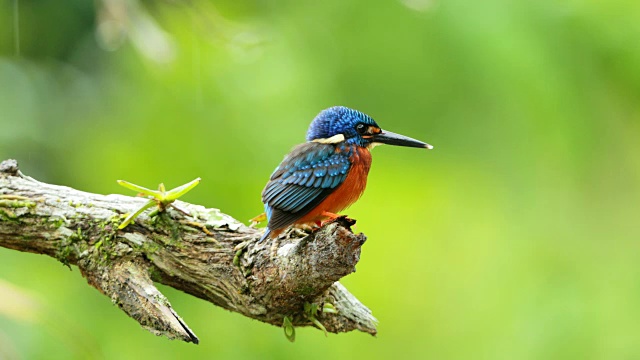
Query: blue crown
x=337 y=120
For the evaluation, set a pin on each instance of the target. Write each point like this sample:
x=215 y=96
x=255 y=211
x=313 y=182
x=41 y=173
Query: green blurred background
x=517 y=237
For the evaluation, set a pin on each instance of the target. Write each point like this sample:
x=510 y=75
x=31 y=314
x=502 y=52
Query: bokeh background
x=517 y=237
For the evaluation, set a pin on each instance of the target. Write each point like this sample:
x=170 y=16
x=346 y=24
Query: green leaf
x=173 y=194
x=329 y=308
x=319 y=325
x=289 y=329
x=131 y=217
x=137 y=188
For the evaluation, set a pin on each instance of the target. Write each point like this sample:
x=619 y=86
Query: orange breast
x=348 y=192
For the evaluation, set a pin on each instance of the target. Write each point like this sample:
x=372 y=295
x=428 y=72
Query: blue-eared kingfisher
x=325 y=175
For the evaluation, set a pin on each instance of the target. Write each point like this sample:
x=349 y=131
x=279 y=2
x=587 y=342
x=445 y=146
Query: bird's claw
x=333 y=218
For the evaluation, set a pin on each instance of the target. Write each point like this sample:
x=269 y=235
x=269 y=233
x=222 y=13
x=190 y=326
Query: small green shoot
x=160 y=197
x=289 y=330
x=329 y=308
x=310 y=311
x=236 y=258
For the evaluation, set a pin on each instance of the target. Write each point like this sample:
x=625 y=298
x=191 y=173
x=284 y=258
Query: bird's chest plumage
x=356 y=180
x=352 y=187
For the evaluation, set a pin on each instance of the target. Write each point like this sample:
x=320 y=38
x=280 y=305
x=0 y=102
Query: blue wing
x=302 y=181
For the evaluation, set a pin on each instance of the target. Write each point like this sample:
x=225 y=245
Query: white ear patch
x=332 y=140
x=373 y=144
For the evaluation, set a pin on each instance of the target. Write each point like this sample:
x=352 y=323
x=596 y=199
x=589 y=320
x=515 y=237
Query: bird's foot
x=331 y=217
x=343 y=220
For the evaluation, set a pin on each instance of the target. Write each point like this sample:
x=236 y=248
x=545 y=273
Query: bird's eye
x=361 y=129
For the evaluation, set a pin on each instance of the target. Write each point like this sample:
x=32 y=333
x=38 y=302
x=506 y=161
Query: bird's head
x=337 y=124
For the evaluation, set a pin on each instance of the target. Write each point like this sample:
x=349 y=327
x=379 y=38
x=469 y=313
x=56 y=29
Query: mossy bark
x=207 y=254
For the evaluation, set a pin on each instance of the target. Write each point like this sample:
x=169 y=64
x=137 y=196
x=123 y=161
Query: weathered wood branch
x=206 y=254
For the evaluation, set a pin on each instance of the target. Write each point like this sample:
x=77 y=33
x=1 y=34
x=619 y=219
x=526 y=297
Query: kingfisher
x=328 y=173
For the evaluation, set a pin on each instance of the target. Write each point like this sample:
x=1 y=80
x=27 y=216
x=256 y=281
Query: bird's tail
x=266 y=235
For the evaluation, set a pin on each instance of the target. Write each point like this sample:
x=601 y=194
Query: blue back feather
x=304 y=179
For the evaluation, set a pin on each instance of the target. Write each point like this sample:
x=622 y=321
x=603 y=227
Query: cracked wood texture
x=206 y=254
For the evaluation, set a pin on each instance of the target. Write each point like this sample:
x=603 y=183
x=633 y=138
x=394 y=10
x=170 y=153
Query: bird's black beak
x=387 y=137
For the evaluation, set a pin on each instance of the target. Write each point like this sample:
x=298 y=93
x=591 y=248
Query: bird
x=327 y=173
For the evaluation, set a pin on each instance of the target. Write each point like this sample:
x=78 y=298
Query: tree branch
x=206 y=254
